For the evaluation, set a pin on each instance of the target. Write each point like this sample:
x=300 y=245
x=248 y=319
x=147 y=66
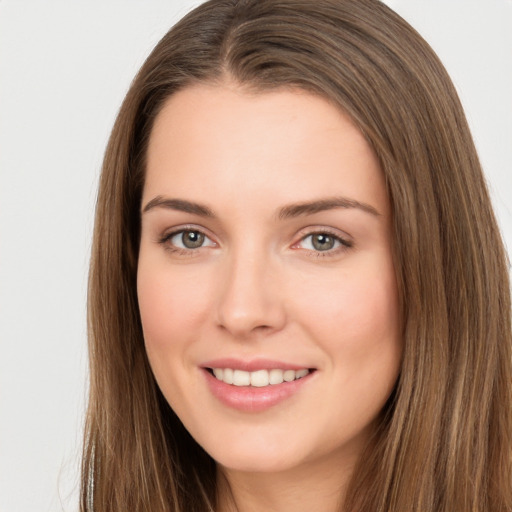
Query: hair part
x=443 y=442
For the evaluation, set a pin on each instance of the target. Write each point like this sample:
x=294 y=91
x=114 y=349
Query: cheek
x=171 y=306
x=357 y=319
x=370 y=308
x=172 y=309
x=357 y=298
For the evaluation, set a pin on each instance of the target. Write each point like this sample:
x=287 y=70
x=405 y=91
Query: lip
x=253 y=399
x=251 y=365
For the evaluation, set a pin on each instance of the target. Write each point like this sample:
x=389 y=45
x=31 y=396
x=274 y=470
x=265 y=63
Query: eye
x=323 y=242
x=188 y=239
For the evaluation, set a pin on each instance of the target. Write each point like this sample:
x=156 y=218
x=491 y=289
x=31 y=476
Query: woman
x=298 y=293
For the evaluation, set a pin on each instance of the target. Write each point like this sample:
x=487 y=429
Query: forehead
x=284 y=144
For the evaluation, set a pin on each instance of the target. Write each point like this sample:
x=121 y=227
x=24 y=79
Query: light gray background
x=64 y=69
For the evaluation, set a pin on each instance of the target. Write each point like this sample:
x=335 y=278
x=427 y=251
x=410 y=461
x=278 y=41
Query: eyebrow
x=180 y=205
x=331 y=203
x=286 y=212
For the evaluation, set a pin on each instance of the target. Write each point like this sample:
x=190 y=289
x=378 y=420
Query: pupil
x=192 y=239
x=323 y=242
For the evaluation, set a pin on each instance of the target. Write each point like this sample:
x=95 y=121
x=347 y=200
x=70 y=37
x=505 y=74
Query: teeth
x=241 y=378
x=275 y=376
x=289 y=375
x=227 y=376
x=259 y=378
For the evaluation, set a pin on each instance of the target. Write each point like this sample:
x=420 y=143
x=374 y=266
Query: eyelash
x=343 y=244
x=165 y=240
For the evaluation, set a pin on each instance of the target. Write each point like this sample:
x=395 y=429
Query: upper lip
x=252 y=364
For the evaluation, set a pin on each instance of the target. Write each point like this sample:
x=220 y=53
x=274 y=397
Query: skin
x=258 y=287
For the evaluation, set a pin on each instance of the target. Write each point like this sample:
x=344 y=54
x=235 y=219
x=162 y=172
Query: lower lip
x=254 y=399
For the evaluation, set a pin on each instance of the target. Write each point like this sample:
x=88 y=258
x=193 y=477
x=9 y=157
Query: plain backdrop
x=64 y=69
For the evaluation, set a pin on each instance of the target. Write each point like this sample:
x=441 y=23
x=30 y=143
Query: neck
x=313 y=486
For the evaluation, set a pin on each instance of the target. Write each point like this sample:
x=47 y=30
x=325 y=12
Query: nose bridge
x=249 y=298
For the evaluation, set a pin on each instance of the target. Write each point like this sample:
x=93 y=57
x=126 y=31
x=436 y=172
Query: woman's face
x=266 y=282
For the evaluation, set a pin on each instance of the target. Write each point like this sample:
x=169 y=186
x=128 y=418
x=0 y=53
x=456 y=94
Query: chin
x=257 y=463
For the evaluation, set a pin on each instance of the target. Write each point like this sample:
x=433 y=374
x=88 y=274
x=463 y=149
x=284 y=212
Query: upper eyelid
x=165 y=241
x=314 y=230
x=342 y=241
x=346 y=242
x=170 y=232
x=300 y=235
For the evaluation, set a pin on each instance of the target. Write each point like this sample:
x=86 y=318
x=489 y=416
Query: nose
x=250 y=299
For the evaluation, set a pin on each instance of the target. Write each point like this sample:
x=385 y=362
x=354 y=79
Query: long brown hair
x=444 y=443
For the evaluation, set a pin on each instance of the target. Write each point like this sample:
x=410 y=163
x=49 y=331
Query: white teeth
x=275 y=376
x=241 y=378
x=227 y=376
x=289 y=375
x=301 y=373
x=259 y=378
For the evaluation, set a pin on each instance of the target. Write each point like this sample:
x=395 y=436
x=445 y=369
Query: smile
x=258 y=378
x=258 y=386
